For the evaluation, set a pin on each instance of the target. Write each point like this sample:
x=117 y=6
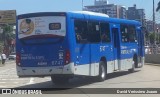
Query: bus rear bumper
x=45 y=71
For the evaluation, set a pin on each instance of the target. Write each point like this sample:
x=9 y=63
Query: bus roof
x=81 y=14
x=91 y=13
x=100 y=16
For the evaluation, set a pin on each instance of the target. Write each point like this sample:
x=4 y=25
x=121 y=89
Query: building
x=136 y=14
x=102 y=6
x=149 y=26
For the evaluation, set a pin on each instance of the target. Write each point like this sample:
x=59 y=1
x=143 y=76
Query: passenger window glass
x=80 y=28
x=128 y=33
x=94 y=32
x=132 y=34
x=105 y=32
x=124 y=33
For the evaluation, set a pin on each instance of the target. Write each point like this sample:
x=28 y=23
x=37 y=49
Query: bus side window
x=132 y=33
x=124 y=32
x=80 y=28
x=93 y=32
x=128 y=33
x=105 y=32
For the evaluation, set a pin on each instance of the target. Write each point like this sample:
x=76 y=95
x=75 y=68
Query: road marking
x=13 y=79
x=3 y=86
x=3 y=82
x=6 y=70
x=15 y=82
x=31 y=81
x=9 y=82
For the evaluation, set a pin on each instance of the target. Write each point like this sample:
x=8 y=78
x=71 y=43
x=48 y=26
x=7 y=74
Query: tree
x=7 y=37
x=152 y=37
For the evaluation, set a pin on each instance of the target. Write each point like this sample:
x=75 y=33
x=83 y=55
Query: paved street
x=147 y=77
x=9 y=78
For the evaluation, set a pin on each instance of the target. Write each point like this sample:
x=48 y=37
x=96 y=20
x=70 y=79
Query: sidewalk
x=7 y=62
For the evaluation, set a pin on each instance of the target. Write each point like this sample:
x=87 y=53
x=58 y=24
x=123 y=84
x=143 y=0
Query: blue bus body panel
x=42 y=55
x=41 y=52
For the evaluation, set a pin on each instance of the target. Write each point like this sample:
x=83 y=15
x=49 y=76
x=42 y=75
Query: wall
x=152 y=58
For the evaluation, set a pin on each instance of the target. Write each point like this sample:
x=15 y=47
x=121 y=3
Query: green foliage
x=6 y=38
x=7 y=35
x=152 y=37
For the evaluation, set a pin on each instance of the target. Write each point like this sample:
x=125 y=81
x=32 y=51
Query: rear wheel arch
x=102 y=69
x=104 y=59
x=135 y=59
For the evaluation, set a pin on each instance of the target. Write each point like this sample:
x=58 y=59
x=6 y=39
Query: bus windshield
x=40 y=28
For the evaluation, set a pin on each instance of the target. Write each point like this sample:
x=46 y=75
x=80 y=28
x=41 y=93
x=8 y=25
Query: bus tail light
x=67 y=57
x=18 y=58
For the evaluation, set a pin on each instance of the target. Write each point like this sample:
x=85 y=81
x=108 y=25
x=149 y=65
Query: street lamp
x=82 y=5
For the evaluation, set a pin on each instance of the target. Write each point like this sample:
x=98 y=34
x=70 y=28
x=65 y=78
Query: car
x=147 y=50
x=12 y=56
x=0 y=57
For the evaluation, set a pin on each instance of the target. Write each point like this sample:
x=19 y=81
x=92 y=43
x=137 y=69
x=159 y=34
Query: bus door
x=140 y=45
x=116 y=47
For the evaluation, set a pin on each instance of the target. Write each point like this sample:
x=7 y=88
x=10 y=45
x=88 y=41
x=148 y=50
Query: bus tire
x=59 y=79
x=133 y=66
x=102 y=72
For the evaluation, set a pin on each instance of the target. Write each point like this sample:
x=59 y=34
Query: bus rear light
x=18 y=59
x=67 y=57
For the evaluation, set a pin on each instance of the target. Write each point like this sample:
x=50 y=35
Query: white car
x=0 y=58
x=147 y=50
x=12 y=56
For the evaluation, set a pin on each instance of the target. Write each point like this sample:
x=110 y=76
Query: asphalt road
x=146 y=77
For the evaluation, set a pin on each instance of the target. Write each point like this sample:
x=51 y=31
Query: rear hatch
x=41 y=39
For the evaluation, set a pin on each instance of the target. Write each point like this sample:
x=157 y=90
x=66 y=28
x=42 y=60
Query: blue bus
x=67 y=44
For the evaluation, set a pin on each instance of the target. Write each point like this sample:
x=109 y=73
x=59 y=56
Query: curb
x=152 y=64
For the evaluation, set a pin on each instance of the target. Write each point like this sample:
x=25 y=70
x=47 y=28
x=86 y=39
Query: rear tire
x=102 y=72
x=59 y=79
x=133 y=66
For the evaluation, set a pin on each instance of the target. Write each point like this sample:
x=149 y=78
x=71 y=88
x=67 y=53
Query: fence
x=152 y=58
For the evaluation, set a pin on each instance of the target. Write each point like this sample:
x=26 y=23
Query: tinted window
x=81 y=30
x=94 y=32
x=128 y=33
x=132 y=33
x=124 y=32
x=105 y=32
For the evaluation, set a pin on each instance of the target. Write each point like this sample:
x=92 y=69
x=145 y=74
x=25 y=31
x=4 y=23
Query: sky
x=30 y=6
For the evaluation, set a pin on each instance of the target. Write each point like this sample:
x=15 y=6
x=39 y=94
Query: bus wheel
x=59 y=79
x=133 y=66
x=102 y=72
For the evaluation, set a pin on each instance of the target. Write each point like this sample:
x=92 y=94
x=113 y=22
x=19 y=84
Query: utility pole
x=154 y=23
x=82 y=5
